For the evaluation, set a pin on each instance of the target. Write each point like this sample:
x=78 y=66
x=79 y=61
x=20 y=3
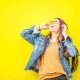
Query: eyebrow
x=54 y=21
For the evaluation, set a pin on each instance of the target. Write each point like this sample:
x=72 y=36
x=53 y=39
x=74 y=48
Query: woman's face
x=54 y=25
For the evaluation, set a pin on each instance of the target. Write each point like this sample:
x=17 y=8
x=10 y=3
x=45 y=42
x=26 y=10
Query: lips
x=52 y=26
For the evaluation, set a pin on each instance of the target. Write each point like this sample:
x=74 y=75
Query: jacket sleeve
x=30 y=34
x=70 y=48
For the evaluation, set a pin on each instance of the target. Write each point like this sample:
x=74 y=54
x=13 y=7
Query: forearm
x=40 y=28
x=43 y=26
x=27 y=34
x=65 y=36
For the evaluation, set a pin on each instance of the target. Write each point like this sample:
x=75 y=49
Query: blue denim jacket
x=33 y=36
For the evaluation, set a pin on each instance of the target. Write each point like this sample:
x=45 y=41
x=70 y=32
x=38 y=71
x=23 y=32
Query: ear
x=64 y=26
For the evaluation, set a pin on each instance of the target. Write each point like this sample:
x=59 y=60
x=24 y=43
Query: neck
x=54 y=37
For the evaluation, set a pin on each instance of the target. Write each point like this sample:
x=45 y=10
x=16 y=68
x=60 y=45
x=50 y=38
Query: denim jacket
x=33 y=36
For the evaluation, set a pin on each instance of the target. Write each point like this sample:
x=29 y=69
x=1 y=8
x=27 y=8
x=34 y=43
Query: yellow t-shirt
x=50 y=65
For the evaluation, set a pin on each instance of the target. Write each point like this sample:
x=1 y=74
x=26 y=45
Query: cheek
x=56 y=28
x=56 y=25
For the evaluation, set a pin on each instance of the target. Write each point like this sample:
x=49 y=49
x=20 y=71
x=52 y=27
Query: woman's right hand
x=44 y=26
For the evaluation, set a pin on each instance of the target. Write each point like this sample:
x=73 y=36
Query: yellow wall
x=17 y=15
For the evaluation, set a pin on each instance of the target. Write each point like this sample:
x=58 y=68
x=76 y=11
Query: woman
x=50 y=53
x=50 y=66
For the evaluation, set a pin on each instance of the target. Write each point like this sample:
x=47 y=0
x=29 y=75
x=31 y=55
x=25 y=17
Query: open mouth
x=52 y=26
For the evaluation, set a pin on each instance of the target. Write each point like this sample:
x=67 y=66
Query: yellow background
x=16 y=15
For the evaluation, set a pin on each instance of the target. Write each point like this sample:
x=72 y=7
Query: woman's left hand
x=64 y=31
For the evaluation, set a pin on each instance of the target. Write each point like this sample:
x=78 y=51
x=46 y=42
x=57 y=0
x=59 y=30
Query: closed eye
x=54 y=22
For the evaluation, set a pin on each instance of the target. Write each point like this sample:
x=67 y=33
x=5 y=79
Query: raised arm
x=30 y=34
x=70 y=48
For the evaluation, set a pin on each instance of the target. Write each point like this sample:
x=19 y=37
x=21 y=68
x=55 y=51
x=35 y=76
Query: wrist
x=65 y=36
x=39 y=28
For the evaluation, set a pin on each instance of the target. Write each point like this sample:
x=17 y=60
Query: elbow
x=22 y=33
x=72 y=53
x=71 y=50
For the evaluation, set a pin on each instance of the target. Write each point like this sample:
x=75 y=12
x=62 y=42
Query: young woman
x=50 y=67
x=50 y=54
